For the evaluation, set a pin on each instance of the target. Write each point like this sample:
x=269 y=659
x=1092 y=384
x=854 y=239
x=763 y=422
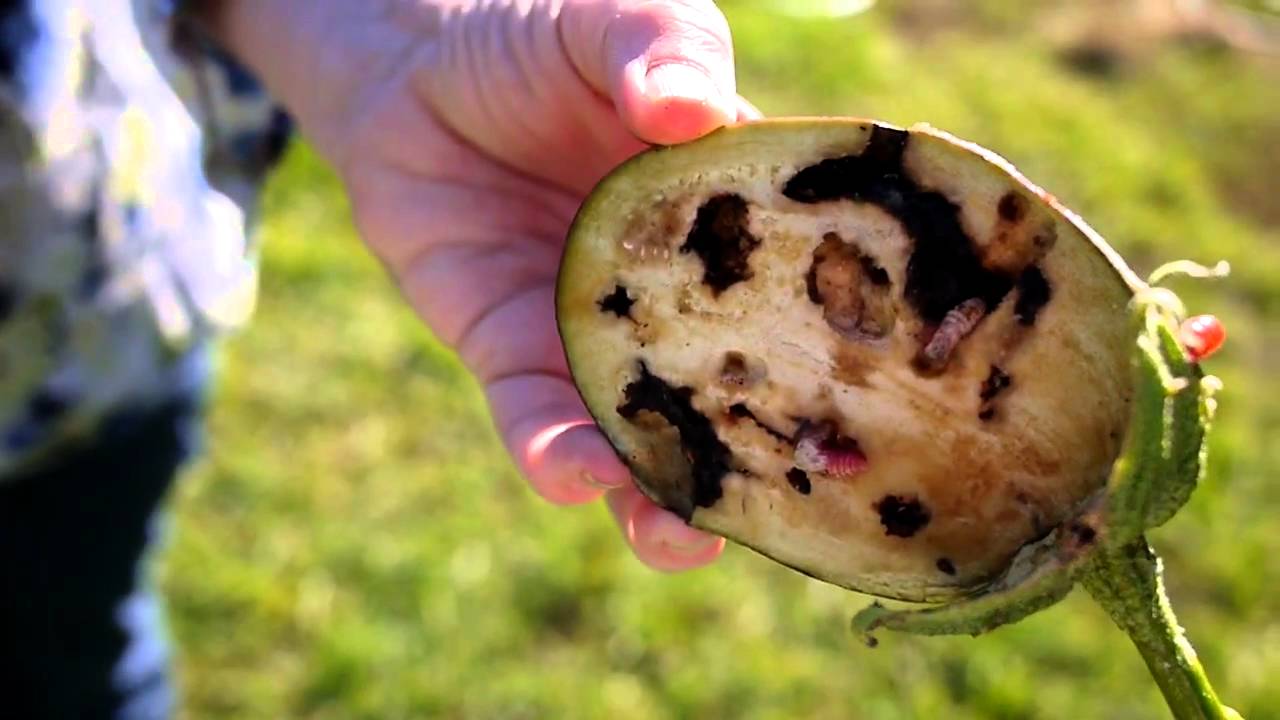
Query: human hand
x=467 y=134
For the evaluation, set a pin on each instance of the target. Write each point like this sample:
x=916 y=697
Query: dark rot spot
x=947 y=567
x=1012 y=207
x=617 y=302
x=739 y=410
x=876 y=274
x=799 y=480
x=902 y=516
x=721 y=240
x=1033 y=294
x=811 y=285
x=986 y=414
x=708 y=457
x=997 y=381
x=1082 y=534
x=852 y=290
x=944 y=269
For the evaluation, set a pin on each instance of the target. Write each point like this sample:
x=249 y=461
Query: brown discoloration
x=740 y=372
x=946 y=567
x=720 y=238
x=650 y=236
x=853 y=290
x=851 y=367
x=1021 y=237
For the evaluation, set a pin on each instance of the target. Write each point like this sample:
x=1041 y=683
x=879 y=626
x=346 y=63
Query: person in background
x=136 y=134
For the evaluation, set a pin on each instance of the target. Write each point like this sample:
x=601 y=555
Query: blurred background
x=356 y=545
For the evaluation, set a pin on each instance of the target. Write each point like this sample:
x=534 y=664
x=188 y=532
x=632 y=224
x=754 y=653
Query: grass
x=354 y=544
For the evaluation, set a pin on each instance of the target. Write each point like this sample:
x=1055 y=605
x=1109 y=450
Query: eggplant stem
x=1127 y=581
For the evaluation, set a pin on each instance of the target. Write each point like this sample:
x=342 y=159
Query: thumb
x=666 y=64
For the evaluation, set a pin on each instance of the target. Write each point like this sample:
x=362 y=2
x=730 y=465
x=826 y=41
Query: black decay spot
x=708 y=457
x=1033 y=294
x=617 y=302
x=996 y=382
x=876 y=274
x=902 y=516
x=739 y=410
x=811 y=285
x=1012 y=207
x=799 y=480
x=721 y=240
x=946 y=566
x=1083 y=534
x=944 y=269
x=986 y=414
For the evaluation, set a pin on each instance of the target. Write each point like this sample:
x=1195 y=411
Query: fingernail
x=595 y=482
x=690 y=543
x=672 y=81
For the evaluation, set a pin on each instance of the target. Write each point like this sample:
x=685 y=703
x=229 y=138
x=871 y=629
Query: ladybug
x=1202 y=335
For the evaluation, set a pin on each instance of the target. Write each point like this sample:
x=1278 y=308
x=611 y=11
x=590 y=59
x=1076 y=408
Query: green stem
x=1127 y=582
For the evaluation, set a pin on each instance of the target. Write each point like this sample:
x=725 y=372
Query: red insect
x=1202 y=335
x=955 y=326
x=820 y=449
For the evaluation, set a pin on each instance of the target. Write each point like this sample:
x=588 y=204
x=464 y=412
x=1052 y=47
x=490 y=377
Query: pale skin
x=467 y=133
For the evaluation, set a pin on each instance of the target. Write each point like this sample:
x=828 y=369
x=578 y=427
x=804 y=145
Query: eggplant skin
x=879 y=356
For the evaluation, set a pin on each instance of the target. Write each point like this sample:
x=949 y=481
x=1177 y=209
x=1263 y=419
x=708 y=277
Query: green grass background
x=355 y=543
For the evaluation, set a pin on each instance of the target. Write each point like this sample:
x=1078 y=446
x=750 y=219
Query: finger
x=748 y=111
x=553 y=440
x=666 y=64
x=658 y=538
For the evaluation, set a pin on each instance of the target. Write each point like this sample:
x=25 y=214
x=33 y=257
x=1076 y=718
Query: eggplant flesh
x=880 y=356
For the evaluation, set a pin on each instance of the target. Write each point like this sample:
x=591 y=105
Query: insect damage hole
x=852 y=289
x=721 y=240
x=902 y=516
x=799 y=480
x=1033 y=294
x=709 y=458
x=944 y=268
x=618 y=302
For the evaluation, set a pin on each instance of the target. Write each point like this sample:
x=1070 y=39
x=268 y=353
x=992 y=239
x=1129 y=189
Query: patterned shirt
x=130 y=152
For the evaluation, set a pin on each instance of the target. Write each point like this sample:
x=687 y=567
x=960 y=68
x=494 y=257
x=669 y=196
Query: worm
x=820 y=450
x=958 y=323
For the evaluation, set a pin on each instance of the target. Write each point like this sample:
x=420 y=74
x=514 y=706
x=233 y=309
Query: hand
x=468 y=134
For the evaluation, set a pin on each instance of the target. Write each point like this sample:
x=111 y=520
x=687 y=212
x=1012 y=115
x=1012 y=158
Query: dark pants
x=80 y=631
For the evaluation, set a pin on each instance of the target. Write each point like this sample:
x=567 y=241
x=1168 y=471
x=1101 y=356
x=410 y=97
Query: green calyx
x=1103 y=547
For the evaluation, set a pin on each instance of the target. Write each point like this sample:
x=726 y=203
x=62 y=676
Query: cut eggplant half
x=879 y=356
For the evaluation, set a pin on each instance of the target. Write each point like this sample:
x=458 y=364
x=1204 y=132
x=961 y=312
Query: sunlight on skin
x=450 y=125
